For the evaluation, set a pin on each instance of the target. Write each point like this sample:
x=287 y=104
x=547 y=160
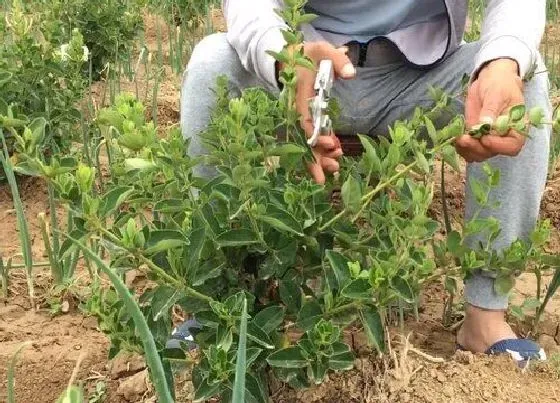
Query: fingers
x=509 y=145
x=471 y=149
x=473 y=105
x=317 y=173
x=343 y=67
x=321 y=167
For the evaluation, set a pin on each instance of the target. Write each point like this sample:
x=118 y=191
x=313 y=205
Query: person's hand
x=328 y=148
x=497 y=89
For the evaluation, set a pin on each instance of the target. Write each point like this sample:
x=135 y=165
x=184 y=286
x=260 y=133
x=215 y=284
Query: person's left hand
x=497 y=89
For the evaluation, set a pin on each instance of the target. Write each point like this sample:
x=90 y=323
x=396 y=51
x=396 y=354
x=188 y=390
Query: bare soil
x=57 y=343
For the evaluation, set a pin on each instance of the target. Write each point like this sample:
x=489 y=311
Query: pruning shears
x=322 y=124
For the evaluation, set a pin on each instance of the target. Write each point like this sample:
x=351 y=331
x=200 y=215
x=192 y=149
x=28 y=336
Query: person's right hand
x=328 y=148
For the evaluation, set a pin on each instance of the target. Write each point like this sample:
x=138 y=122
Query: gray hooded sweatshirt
x=426 y=31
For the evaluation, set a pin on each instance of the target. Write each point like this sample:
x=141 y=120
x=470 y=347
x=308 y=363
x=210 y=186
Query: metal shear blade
x=323 y=85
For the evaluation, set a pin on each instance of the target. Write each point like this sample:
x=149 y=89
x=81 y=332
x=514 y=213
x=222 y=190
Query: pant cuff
x=479 y=292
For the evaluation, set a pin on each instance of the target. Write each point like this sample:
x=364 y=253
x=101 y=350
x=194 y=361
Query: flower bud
x=84 y=178
x=536 y=116
x=501 y=125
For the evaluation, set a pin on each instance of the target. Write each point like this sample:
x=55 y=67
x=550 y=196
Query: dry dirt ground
x=58 y=342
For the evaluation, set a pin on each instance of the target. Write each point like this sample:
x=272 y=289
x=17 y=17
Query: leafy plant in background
x=188 y=13
x=40 y=76
x=109 y=27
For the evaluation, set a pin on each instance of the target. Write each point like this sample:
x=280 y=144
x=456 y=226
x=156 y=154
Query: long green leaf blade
x=150 y=349
x=241 y=362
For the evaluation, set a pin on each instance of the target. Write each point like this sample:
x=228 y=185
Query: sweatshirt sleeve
x=512 y=29
x=253 y=28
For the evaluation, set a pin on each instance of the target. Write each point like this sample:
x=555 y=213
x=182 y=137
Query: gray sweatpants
x=376 y=98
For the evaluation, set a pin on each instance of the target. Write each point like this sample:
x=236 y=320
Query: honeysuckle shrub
x=260 y=230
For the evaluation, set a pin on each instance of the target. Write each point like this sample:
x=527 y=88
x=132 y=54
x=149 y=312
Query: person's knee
x=212 y=57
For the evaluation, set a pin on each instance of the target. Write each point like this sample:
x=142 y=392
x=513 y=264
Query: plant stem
x=55 y=267
x=54 y=220
x=156 y=269
x=367 y=198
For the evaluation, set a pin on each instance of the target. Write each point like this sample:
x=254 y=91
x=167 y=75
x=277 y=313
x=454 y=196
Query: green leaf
x=342 y=358
x=205 y=391
x=169 y=206
x=291 y=295
x=431 y=129
x=282 y=220
x=113 y=199
x=517 y=113
x=318 y=370
x=197 y=239
x=255 y=390
x=454 y=243
x=422 y=162
x=479 y=191
x=163 y=299
x=287 y=149
x=140 y=164
x=372 y=160
x=450 y=157
x=291 y=357
x=352 y=194
x=162 y=240
x=309 y=315
x=339 y=264
x=256 y=334
x=504 y=284
x=403 y=289
x=241 y=360
x=208 y=319
x=374 y=328
x=71 y=395
x=269 y=319
x=5 y=77
x=252 y=354
x=358 y=289
x=236 y=238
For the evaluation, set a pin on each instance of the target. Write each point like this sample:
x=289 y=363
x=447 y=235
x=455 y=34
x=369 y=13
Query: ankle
x=482 y=328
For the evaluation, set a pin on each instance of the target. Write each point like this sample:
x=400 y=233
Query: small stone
x=464 y=357
x=441 y=377
x=448 y=391
x=65 y=307
x=132 y=389
x=126 y=364
x=90 y=323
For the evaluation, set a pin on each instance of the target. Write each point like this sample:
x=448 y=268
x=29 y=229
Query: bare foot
x=482 y=328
